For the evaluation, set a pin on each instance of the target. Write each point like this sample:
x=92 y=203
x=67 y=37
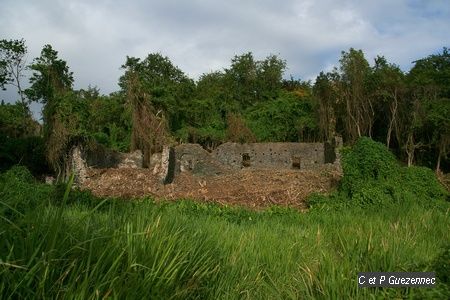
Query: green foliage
x=16 y=121
x=422 y=182
x=249 y=81
x=442 y=265
x=209 y=136
x=107 y=121
x=237 y=131
x=19 y=143
x=289 y=118
x=12 y=63
x=204 y=123
x=18 y=173
x=51 y=84
x=373 y=179
x=432 y=74
x=367 y=161
x=19 y=194
x=169 y=88
x=51 y=76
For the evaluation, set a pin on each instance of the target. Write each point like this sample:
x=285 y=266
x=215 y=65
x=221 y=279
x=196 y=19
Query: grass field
x=190 y=250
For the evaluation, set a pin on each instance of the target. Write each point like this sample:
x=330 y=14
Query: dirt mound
x=248 y=187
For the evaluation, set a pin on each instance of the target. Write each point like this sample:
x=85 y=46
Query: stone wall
x=271 y=155
x=100 y=158
x=97 y=156
x=193 y=158
x=224 y=159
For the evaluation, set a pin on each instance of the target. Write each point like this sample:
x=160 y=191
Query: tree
x=149 y=126
x=51 y=78
x=360 y=113
x=250 y=81
x=212 y=87
x=269 y=77
x=438 y=123
x=237 y=131
x=12 y=64
x=205 y=115
x=429 y=82
x=109 y=119
x=168 y=87
x=241 y=79
x=388 y=91
x=51 y=84
x=325 y=92
x=289 y=118
x=16 y=121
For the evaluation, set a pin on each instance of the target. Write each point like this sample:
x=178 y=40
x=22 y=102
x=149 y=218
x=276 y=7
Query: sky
x=200 y=36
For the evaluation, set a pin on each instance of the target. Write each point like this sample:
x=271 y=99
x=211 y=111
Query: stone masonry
x=304 y=156
x=225 y=159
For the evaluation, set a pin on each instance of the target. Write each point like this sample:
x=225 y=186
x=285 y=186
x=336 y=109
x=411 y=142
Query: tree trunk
x=410 y=149
x=438 y=164
x=393 y=108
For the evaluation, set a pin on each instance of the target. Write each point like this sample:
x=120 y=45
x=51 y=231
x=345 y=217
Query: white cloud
x=200 y=36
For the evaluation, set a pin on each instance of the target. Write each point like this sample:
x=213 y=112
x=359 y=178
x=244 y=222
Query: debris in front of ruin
x=254 y=175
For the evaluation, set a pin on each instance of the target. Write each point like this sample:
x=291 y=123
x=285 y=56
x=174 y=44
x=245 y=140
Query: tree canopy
x=251 y=100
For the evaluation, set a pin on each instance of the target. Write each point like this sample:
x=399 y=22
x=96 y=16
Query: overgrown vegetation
x=248 y=101
x=374 y=178
x=59 y=243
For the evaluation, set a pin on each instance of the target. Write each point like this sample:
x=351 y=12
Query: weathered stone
x=271 y=155
x=338 y=144
x=225 y=159
x=193 y=158
x=163 y=164
x=79 y=166
x=132 y=160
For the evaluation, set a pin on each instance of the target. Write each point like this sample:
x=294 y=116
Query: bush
x=373 y=178
x=367 y=161
x=19 y=192
x=18 y=173
x=423 y=183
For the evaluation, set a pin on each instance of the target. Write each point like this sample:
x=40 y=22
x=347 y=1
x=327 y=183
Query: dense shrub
x=372 y=177
x=367 y=161
x=423 y=183
x=19 y=192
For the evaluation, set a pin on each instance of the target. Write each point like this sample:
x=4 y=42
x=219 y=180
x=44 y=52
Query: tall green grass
x=188 y=250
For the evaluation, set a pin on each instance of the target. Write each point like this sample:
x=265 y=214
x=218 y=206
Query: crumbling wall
x=102 y=158
x=193 y=158
x=133 y=160
x=84 y=158
x=225 y=159
x=271 y=155
x=79 y=165
x=338 y=144
x=163 y=164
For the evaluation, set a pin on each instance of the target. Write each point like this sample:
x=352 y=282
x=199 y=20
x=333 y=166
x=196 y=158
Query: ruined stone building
x=227 y=158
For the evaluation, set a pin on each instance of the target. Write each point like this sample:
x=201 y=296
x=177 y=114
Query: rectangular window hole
x=245 y=160
x=296 y=162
